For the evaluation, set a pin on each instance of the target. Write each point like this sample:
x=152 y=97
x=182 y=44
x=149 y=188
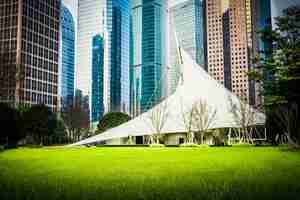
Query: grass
x=150 y=173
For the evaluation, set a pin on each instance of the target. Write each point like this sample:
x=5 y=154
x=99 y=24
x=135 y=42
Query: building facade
x=97 y=78
x=149 y=22
x=67 y=58
x=111 y=20
x=261 y=10
x=29 y=48
x=186 y=18
x=90 y=23
x=118 y=55
x=229 y=43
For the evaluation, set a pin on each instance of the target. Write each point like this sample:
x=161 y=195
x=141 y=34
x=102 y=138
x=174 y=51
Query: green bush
x=157 y=145
x=123 y=145
x=111 y=120
x=194 y=145
x=34 y=146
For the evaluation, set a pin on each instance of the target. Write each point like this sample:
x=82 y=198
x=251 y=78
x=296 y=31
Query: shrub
x=111 y=120
x=157 y=145
x=194 y=145
x=123 y=145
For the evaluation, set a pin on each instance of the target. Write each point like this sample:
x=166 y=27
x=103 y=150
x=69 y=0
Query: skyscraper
x=228 y=43
x=261 y=10
x=118 y=41
x=90 y=23
x=67 y=57
x=186 y=17
x=29 y=46
x=214 y=27
x=149 y=19
x=110 y=19
x=97 y=78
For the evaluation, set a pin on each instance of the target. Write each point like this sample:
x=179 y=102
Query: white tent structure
x=195 y=85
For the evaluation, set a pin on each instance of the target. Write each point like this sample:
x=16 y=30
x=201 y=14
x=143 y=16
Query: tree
x=203 y=118
x=76 y=117
x=158 y=116
x=244 y=118
x=111 y=120
x=9 y=120
x=188 y=121
x=39 y=122
x=60 y=135
x=288 y=118
x=279 y=71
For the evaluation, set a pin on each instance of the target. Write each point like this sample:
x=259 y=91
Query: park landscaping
x=150 y=173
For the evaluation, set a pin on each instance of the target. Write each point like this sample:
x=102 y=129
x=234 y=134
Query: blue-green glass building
x=187 y=19
x=149 y=27
x=67 y=57
x=97 y=78
x=105 y=81
x=118 y=43
x=262 y=19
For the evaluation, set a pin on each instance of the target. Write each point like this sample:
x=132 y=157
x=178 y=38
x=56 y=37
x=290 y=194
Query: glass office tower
x=118 y=60
x=67 y=57
x=110 y=19
x=90 y=23
x=149 y=51
x=186 y=17
x=97 y=78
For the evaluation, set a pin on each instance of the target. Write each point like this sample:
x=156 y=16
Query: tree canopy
x=9 y=118
x=279 y=70
x=111 y=120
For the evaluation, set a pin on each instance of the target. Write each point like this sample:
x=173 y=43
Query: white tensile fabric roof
x=196 y=85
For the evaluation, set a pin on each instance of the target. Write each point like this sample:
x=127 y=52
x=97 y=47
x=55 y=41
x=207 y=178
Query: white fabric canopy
x=196 y=85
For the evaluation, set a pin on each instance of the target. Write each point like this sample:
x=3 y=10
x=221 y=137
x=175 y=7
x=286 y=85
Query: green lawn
x=150 y=173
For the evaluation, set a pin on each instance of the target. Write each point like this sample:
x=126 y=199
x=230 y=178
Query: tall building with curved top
x=149 y=43
x=67 y=57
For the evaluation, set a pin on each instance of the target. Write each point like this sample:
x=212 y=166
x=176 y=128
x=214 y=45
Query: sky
x=72 y=5
x=278 y=5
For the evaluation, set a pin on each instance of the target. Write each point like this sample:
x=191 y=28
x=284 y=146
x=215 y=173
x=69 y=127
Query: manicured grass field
x=150 y=173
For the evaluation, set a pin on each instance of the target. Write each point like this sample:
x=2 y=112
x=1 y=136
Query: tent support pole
x=229 y=136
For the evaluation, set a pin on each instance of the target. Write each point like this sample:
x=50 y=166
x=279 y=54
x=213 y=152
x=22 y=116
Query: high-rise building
x=97 y=78
x=261 y=10
x=90 y=23
x=264 y=14
x=261 y=19
x=186 y=18
x=229 y=39
x=110 y=19
x=29 y=51
x=118 y=41
x=215 y=48
x=67 y=57
x=149 y=19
